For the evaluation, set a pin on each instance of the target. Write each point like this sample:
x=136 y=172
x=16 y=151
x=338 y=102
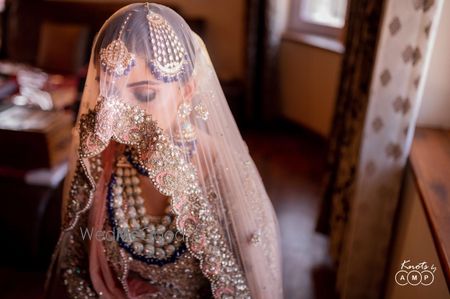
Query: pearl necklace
x=152 y=239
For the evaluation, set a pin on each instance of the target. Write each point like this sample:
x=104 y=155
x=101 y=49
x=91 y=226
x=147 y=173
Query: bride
x=162 y=199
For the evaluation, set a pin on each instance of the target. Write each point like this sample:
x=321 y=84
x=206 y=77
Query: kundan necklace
x=151 y=239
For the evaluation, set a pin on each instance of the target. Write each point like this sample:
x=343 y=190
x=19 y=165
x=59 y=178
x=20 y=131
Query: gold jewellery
x=115 y=58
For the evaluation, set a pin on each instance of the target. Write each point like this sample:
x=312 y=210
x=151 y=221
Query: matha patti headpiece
x=115 y=58
x=169 y=55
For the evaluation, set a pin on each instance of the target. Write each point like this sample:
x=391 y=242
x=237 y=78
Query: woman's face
x=156 y=98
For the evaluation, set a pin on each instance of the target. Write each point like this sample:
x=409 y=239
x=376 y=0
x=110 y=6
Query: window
x=322 y=17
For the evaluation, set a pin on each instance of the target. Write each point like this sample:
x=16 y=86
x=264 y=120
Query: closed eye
x=144 y=94
x=143 y=91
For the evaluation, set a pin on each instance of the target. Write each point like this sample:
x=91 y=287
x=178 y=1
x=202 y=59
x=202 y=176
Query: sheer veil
x=173 y=119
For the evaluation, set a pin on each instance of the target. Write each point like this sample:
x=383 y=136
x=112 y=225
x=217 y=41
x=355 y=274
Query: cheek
x=165 y=107
x=128 y=97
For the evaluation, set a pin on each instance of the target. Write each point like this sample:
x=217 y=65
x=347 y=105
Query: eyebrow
x=146 y=82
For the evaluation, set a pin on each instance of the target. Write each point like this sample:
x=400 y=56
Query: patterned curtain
x=373 y=135
x=363 y=23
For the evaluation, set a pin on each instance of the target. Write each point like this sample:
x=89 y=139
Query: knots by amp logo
x=415 y=274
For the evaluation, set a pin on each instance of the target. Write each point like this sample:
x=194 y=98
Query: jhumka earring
x=201 y=111
x=186 y=134
x=115 y=58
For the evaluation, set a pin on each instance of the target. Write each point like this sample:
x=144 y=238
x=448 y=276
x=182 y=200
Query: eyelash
x=146 y=96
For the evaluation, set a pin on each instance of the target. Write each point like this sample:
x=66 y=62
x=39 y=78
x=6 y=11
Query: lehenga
x=154 y=132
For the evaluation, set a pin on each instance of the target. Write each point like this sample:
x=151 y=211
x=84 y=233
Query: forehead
x=141 y=71
x=142 y=75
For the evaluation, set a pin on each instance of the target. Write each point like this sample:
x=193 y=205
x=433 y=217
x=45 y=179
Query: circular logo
x=400 y=277
x=414 y=277
x=427 y=277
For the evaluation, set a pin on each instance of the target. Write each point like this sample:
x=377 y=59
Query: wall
x=225 y=33
x=309 y=82
x=435 y=107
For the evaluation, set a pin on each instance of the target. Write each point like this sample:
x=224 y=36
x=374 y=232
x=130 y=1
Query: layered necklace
x=151 y=239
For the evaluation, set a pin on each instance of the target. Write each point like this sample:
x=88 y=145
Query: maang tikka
x=168 y=60
x=115 y=58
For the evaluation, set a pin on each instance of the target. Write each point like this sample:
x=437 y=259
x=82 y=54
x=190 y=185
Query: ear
x=188 y=90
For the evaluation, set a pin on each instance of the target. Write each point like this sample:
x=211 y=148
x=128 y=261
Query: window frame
x=297 y=24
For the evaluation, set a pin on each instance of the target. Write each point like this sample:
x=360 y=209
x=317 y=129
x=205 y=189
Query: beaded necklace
x=151 y=239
